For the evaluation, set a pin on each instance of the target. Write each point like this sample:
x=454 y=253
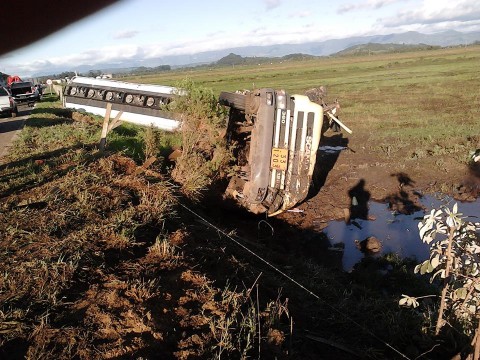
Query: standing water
x=398 y=233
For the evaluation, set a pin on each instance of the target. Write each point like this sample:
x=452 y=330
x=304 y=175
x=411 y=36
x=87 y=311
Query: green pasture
x=415 y=100
x=342 y=75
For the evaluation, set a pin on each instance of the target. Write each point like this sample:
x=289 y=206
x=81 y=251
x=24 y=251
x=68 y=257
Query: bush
x=454 y=260
x=205 y=154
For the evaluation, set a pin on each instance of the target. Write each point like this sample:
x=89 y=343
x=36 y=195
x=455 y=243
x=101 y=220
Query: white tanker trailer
x=141 y=104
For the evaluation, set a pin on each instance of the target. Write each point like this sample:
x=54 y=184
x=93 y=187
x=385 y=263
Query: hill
x=234 y=59
x=374 y=48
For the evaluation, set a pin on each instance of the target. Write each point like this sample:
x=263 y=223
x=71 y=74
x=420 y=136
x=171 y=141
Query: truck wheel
x=233 y=100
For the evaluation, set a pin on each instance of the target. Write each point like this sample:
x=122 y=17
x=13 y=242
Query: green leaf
x=435 y=262
x=423 y=228
x=408 y=301
x=417 y=268
x=461 y=293
x=414 y=302
x=440 y=272
x=426 y=267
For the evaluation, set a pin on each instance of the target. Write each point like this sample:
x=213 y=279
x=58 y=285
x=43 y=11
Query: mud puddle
x=398 y=233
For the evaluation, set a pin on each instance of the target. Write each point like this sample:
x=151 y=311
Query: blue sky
x=143 y=29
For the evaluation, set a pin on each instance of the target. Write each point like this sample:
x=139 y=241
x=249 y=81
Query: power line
x=292 y=280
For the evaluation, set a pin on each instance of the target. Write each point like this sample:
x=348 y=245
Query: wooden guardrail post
x=108 y=126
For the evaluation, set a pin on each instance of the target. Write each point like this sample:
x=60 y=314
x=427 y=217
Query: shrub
x=455 y=258
x=204 y=151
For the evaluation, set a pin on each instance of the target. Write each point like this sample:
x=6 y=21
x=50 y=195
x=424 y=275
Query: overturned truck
x=276 y=135
x=280 y=134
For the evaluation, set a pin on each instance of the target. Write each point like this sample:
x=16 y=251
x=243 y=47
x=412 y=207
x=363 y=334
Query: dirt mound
x=95 y=266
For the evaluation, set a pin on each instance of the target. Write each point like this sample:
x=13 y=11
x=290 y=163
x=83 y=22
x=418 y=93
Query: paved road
x=10 y=127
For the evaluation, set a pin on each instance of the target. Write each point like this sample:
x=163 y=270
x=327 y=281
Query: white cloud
x=301 y=14
x=93 y=57
x=125 y=34
x=435 y=12
x=272 y=4
x=469 y=26
x=366 y=5
x=427 y=16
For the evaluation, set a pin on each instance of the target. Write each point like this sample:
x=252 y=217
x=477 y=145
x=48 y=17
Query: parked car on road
x=8 y=106
x=24 y=91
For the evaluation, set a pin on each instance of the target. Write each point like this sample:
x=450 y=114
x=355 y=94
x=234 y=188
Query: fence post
x=107 y=127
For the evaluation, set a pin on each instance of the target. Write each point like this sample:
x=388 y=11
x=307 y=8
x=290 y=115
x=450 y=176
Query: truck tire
x=233 y=100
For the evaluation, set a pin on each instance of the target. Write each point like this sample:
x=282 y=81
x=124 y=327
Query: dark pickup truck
x=24 y=92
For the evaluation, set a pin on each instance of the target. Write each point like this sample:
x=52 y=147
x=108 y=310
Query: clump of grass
x=192 y=173
x=163 y=253
x=243 y=330
x=204 y=151
x=42 y=135
x=141 y=290
x=151 y=142
x=163 y=249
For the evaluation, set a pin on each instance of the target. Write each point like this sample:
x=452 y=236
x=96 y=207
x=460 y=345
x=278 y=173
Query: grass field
x=343 y=75
x=424 y=98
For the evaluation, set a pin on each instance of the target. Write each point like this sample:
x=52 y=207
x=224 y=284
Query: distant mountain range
x=321 y=48
x=375 y=48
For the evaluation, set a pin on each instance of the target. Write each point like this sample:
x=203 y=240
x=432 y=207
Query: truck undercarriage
x=277 y=137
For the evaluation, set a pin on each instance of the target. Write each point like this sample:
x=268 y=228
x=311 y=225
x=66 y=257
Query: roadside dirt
x=366 y=175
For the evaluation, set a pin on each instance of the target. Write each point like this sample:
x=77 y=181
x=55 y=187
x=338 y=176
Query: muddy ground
x=108 y=261
x=344 y=183
x=351 y=170
x=357 y=171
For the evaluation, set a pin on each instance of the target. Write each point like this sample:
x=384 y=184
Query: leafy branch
x=455 y=258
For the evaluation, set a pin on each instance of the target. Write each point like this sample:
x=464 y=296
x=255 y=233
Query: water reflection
x=397 y=232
